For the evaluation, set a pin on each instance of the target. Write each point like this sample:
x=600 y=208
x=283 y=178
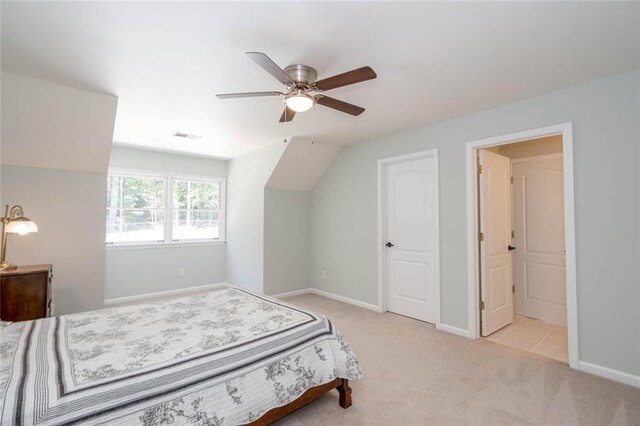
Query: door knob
x=511 y=247
x=389 y=245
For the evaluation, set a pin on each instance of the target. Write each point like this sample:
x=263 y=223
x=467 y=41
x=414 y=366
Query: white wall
x=132 y=272
x=286 y=240
x=135 y=271
x=69 y=209
x=247 y=177
x=605 y=115
x=55 y=151
x=142 y=159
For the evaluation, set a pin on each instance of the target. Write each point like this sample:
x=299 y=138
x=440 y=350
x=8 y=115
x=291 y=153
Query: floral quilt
x=224 y=357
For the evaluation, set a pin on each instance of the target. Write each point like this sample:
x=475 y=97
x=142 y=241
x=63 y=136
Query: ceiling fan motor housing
x=301 y=73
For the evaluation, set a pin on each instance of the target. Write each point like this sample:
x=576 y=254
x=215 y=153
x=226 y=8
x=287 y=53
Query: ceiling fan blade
x=346 y=78
x=287 y=115
x=247 y=95
x=271 y=67
x=339 y=105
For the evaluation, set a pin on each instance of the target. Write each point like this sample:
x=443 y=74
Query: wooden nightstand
x=25 y=293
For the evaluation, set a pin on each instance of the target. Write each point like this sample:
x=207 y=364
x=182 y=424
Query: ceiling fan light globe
x=300 y=102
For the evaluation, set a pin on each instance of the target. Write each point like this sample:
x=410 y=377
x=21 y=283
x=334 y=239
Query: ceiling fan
x=300 y=82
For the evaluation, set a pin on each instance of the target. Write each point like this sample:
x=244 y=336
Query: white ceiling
x=302 y=165
x=165 y=61
x=50 y=126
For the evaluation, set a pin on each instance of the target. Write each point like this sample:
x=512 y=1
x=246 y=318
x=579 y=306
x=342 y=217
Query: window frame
x=168 y=209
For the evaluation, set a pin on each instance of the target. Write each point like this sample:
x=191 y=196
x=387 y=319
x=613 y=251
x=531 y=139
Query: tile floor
x=535 y=336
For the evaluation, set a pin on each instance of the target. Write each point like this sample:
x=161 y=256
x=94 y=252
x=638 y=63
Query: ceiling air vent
x=186 y=135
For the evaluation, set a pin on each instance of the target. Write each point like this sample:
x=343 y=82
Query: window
x=163 y=209
x=196 y=209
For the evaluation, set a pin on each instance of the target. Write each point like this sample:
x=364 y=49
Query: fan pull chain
x=285 y=117
x=313 y=127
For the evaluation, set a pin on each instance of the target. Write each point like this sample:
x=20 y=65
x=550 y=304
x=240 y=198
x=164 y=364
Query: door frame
x=473 y=269
x=382 y=252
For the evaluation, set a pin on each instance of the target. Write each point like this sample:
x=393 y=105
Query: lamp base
x=7 y=266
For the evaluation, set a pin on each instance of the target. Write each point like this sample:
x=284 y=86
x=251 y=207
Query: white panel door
x=538 y=198
x=496 y=274
x=411 y=209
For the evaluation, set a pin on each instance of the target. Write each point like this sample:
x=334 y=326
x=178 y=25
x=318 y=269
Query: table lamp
x=14 y=222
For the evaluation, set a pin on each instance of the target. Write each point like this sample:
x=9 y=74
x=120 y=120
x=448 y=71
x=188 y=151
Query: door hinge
x=482 y=305
x=513 y=289
x=479 y=168
x=513 y=234
x=481 y=236
x=511 y=179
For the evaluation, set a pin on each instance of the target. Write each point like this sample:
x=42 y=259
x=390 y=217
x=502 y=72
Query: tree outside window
x=159 y=209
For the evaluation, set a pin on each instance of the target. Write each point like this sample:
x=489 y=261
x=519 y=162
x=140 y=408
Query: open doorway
x=524 y=279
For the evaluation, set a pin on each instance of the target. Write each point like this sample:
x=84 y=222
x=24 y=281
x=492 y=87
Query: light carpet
x=416 y=375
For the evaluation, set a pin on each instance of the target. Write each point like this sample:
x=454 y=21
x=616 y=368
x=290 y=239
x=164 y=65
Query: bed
x=224 y=357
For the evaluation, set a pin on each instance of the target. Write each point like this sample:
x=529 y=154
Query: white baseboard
x=292 y=293
x=328 y=296
x=454 y=330
x=146 y=296
x=609 y=373
x=343 y=299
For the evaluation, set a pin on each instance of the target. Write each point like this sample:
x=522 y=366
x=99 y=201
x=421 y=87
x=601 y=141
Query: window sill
x=173 y=244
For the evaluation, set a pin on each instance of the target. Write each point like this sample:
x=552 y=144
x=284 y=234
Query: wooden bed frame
x=342 y=385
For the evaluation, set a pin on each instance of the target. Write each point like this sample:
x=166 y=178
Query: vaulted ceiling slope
x=51 y=126
x=165 y=61
x=302 y=165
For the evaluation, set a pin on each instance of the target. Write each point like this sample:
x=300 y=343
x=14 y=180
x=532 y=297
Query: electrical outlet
x=181 y=272
x=322 y=275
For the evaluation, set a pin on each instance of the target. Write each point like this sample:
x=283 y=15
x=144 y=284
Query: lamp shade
x=300 y=102
x=22 y=226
